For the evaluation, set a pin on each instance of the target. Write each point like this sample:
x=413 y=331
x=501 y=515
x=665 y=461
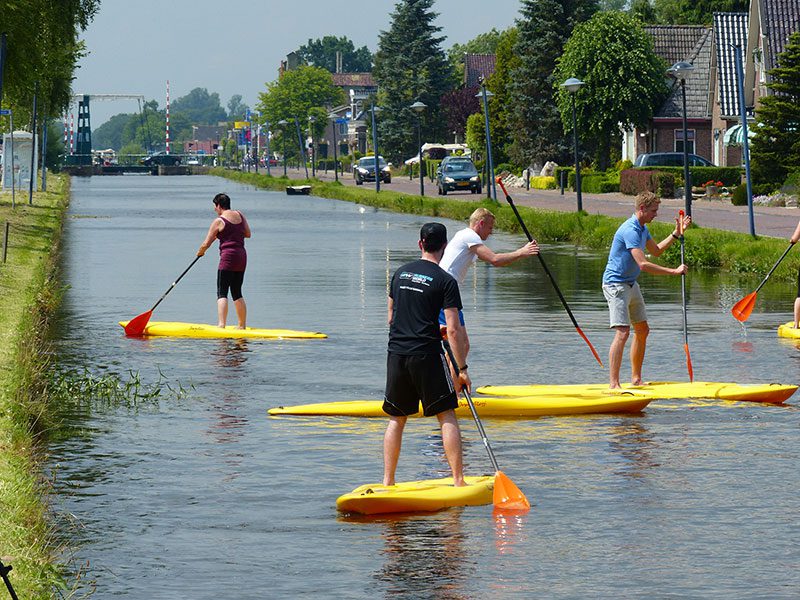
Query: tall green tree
x=544 y=27
x=500 y=105
x=623 y=77
x=43 y=47
x=236 y=108
x=776 y=146
x=410 y=66
x=695 y=12
x=296 y=95
x=644 y=11
x=199 y=107
x=322 y=53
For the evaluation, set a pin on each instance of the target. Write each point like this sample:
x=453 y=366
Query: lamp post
x=269 y=153
x=283 y=123
x=300 y=146
x=311 y=120
x=418 y=107
x=572 y=85
x=376 y=109
x=745 y=141
x=491 y=188
x=335 y=120
x=680 y=71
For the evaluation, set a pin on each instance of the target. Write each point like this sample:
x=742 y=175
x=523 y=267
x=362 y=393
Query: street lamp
x=572 y=85
x=269 y=153
x=491 y=189
x=283 y=123
x=376 y=109
x=680 y=71
x=418 y=107
x=335 y=120
x=311 y=120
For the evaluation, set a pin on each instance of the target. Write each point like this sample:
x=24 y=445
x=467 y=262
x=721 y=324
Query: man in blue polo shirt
x=625 y=302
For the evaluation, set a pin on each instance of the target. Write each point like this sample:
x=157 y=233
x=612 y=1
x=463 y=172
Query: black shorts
x=229 y=280
x=411 y=379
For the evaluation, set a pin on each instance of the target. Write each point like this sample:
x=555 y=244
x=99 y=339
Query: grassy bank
x=705 y=247
x=28 y=295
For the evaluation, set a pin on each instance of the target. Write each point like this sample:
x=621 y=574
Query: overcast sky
x=235 y=47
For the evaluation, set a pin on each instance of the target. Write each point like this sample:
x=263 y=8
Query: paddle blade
x=689 y=362
x=507 y=496
x=137 y=324
x=586 y=339
x=742 y=309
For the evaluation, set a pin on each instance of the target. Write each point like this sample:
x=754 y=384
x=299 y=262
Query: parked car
x=670 y=159
x=457 y=173
x=161 y=158
x=364 y=170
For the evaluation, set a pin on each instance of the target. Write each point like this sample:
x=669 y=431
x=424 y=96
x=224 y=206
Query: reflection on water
x=426 y=557
x=509 y=528
x=633 y=442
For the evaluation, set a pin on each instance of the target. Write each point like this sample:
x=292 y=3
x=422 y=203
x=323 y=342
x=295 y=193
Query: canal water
x=206 y=496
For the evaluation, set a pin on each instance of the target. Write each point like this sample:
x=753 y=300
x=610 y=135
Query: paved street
x=719 y=214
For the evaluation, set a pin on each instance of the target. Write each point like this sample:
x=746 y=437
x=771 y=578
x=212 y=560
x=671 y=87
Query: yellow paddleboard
x=202 y=330
x=417 y=496
x=487 y=407
x=772 y=392
x=787 y=330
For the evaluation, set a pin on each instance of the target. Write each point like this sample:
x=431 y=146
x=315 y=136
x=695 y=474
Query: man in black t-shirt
x=416 y=369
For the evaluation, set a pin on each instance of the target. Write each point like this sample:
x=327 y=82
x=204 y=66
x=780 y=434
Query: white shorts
x=625 y=304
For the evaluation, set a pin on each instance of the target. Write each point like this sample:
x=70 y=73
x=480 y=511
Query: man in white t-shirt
x=467 y=246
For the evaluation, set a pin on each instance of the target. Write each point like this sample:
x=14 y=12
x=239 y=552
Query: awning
x=734 y=136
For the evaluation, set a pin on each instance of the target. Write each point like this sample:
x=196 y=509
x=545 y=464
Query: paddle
x=506 y=495
x=549 y=275
x=137 y=324
x=742 y=309
x=683 y=298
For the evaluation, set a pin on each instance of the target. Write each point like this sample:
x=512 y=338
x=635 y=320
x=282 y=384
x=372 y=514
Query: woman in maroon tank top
x=230 y=228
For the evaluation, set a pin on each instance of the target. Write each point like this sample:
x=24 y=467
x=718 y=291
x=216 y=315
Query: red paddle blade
x=689 y=362
x=742 y=309
x=137 y=324
x=507 y=496
x=586 y=339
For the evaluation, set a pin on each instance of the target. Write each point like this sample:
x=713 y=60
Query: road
x=718 y=214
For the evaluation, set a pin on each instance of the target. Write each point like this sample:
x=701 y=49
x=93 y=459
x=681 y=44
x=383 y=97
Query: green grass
x=705 y=248
x=28 y=294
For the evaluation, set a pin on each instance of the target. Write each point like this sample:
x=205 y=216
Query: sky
x=235 y=46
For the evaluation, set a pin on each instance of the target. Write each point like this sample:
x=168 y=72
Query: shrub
x=513 y=169
x=727 y=175
x=739 y=196
x=622 y=165
x=543 y=183
x=431 y=165
x=633 y=181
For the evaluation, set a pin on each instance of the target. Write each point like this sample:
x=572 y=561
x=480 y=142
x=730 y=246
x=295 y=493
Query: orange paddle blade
x=586 y=339
x=742 y=309
x=137 y=324
x=689 y=362
x=507 y=495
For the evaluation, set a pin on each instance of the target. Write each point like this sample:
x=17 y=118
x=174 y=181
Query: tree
x=695 y=12
x=776 y=144
x=500 y=105
x=43 y=47
x=236 y=108
x=199 y=107
x=296 y=95
x=544 y=27
x=410 y=66
x=322 y=53
x=476 y=135
x=644 y=11
x=457 y=106
x=623 y=76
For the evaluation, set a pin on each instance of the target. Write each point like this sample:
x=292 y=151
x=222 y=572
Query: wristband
x=464 y=368
x=675 y=236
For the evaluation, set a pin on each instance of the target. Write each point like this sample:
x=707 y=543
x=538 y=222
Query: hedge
x=729 y=176
x=633 y=181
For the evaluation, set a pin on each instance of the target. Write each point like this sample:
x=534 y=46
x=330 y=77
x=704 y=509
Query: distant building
x=205 y=139
x=478 y=67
